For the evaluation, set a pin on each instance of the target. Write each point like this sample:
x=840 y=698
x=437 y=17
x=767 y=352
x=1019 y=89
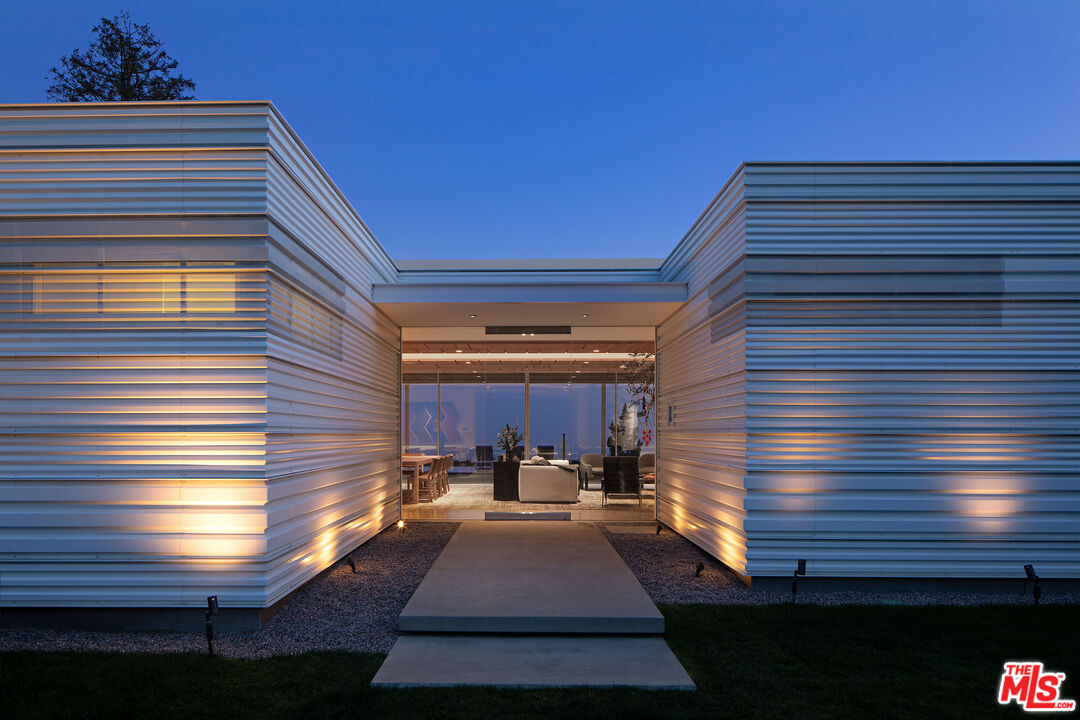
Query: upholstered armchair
x=592 y=467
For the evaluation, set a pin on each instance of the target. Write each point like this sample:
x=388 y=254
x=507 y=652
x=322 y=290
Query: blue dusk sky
x=552 y=129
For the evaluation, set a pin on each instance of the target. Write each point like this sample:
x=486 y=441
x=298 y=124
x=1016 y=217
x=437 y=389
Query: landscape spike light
x=659 y=527
x=1032 y=577
x=401 y=526
x=700 y=569
x=350 y=563
x=211 y=611
x=800 y=569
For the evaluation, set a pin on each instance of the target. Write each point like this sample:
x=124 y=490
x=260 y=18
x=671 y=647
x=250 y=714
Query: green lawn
x=764 y=662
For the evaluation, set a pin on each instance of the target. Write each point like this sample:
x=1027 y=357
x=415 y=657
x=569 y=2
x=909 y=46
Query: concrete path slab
x=532 y=662
x=530 y=577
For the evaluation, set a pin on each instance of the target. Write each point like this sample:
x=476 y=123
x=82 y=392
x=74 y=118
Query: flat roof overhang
x=529 y=303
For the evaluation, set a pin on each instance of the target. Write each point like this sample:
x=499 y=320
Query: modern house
x=874 y=367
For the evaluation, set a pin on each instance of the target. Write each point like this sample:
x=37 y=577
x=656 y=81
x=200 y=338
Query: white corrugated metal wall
x=153 y=448
x=912 y=376
x=701 y=386
x=333 y=436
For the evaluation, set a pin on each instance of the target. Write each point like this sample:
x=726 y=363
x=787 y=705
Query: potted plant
x=505 y=470
x=507 y=441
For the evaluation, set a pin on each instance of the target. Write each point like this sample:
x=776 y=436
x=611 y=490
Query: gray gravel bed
x=338 y=610
x=665 y=566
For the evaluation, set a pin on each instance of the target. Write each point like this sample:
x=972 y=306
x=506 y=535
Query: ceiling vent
x=527 y=330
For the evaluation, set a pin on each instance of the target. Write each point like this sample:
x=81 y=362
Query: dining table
x=416 y=463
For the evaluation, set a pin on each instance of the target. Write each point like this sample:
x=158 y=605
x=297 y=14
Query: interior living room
x=481 y=405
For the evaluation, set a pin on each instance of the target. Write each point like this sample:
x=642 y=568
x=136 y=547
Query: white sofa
x=547 y=483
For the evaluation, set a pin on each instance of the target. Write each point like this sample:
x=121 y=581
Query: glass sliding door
x=550 y=418
x=565 y=417
x=460 y=418
x=585 y=434
x=462 y=413
x=420 y=418
x=505 y=405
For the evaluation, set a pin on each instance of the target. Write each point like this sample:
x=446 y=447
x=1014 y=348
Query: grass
x=748 y=662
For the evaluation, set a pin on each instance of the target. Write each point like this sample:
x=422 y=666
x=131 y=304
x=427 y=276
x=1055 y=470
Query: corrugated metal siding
x=913 y=404
x=155 y=443
x=132 y=355
x=912 y=389
x=132 y=426
x=304 y=202
x=333 y=448
x=701 y=388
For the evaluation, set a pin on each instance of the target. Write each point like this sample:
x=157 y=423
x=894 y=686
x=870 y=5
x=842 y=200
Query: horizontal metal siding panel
x=890 y=182
x=333 y=445
x=123 y=160
x=185 y=458
x=687 y=258
x=83 y=126
x=116 y=181
x=132 y=417
x=701 y=391
x=307 y=204
x=132 y=299
x=913 y=394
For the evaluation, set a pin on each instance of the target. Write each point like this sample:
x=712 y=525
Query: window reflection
x=461 y=414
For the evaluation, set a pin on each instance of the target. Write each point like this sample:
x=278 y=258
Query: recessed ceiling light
x=468 y=362
x=472 y=315
x=586 y=362
x=584 y=314
x=459 y=350
x=596 y=351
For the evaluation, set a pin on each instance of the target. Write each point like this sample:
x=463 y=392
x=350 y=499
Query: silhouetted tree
x=124 y=62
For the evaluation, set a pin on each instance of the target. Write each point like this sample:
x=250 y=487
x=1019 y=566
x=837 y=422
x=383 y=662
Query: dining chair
x=429 y=482
x=444 y=475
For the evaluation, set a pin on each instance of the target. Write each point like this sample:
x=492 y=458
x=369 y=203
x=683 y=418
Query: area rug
x=478 y=497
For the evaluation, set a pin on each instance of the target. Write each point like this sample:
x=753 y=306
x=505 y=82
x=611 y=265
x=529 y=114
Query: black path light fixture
x=700 y=569
x=800 y=569
x=1031 y=577
x=211 y=611
x=349 y=561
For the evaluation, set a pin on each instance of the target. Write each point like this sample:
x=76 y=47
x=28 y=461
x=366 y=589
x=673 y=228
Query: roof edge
x=452 y=265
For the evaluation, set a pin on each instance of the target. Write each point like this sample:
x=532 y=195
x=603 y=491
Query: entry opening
x=476 y=412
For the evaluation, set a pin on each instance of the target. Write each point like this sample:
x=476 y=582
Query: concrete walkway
x=530 y=577
x=575 y=615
